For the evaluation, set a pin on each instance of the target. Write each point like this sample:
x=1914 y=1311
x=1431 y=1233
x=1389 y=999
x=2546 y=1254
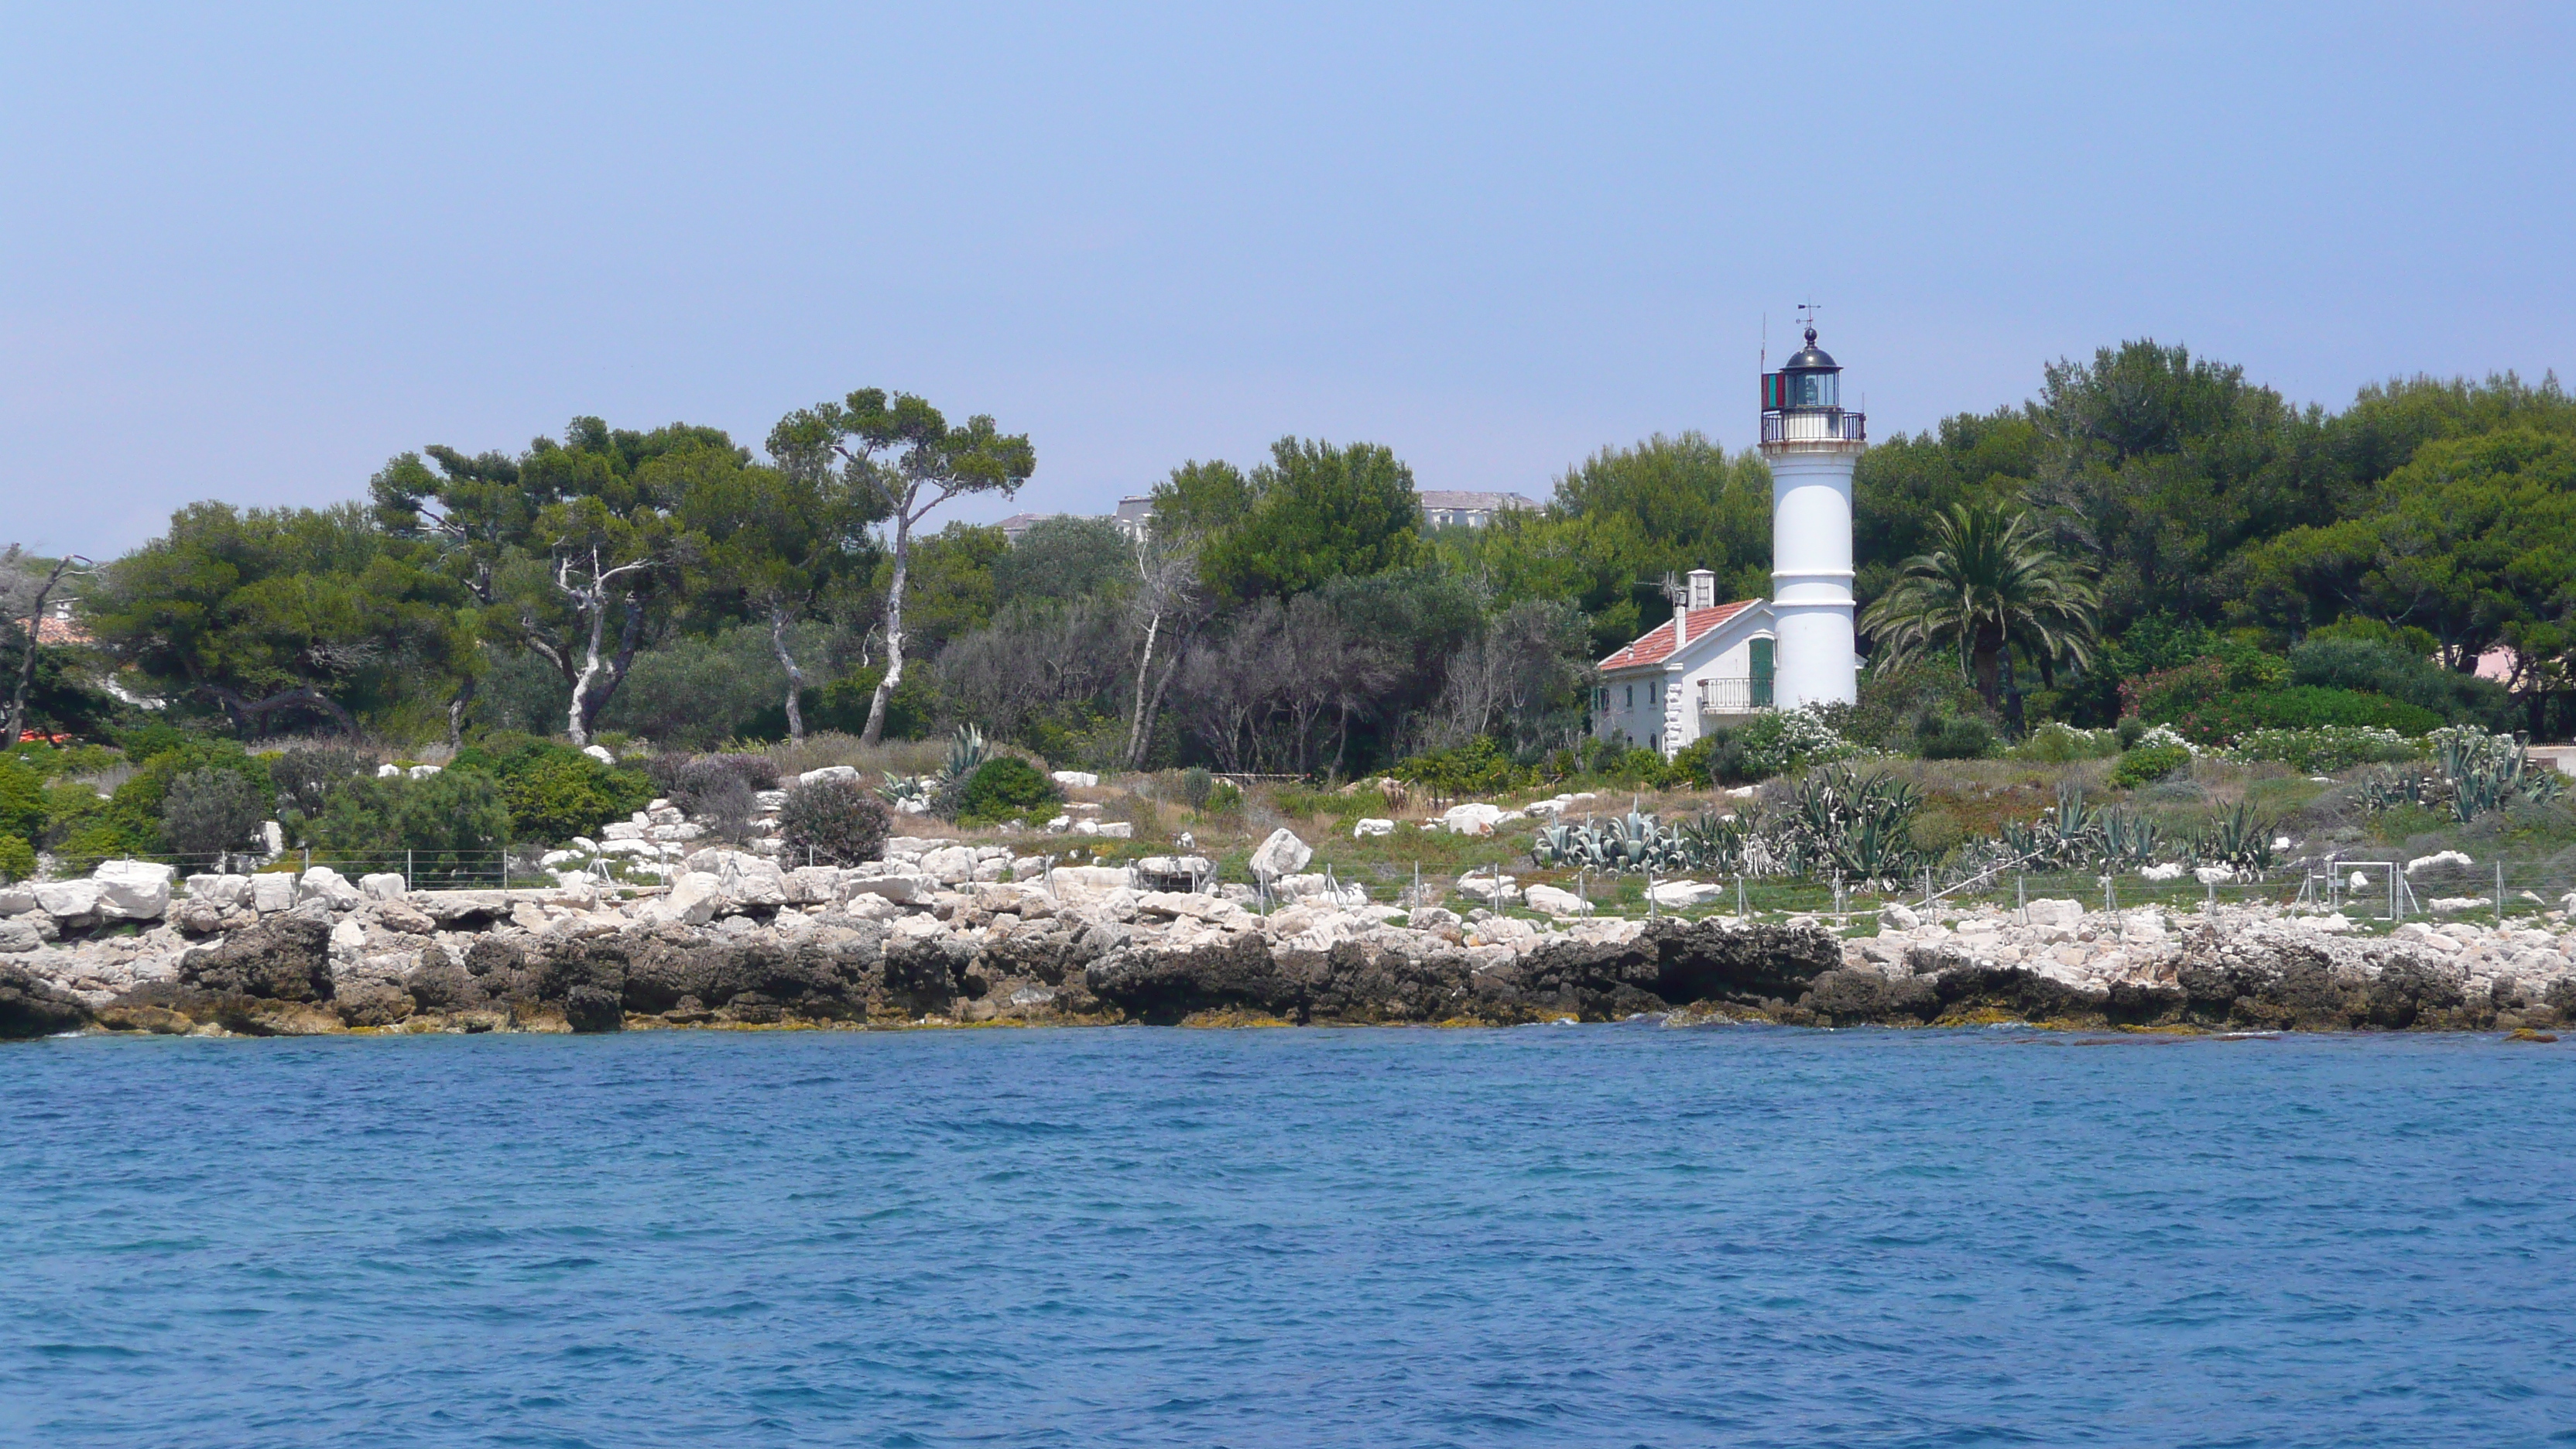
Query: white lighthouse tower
x=1812 y=445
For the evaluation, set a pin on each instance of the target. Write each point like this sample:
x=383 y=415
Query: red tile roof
x=1653 y=646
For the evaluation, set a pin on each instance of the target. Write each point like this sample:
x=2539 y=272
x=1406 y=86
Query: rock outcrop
x=934 y=933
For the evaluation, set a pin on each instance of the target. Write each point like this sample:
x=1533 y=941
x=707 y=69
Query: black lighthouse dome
x=1810 y=358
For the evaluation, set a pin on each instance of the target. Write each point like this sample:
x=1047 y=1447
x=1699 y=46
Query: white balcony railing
x=1735 y=696
x=1826 y=426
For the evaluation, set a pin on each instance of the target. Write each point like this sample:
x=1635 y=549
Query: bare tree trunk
x=795 y=676
x=456 y=708
x=1144 y=671
x=894 y=627
x=17 y=717
x=577 y=718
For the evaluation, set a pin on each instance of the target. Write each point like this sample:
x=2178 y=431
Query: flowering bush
x=2326 y=748
x=2057 y=742
x=1776 y=743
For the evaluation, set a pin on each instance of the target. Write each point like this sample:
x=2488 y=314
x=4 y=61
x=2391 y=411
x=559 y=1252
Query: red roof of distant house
x=1656 y=644
x=51 y=630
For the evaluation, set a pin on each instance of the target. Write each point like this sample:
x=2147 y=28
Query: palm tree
x=1988 y=585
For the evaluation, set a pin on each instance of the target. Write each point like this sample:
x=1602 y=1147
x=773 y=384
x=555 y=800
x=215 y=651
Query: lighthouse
x=1812 y=444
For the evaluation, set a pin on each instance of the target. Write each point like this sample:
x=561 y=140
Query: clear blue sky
x=250 y=252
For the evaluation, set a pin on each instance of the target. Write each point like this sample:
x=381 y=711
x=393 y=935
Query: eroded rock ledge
x=744 y=944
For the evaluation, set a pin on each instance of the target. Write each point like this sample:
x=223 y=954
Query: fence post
x=2021 y=897
x=1927 y=890
x=407 y=878
x=308 y=857
x=1742 y=911
x=1650 y=892
x=2499 y=894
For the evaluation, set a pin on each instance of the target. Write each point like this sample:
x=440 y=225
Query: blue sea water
x=1559 y=1235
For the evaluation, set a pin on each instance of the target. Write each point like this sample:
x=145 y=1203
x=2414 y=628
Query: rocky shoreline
x=918 y=940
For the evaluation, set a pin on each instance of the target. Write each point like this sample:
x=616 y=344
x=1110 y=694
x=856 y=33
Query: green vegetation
x=1006 y=788
x=2152 y=540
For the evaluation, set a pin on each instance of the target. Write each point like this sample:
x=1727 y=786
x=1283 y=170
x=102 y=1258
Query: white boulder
x=2438 y=858
x=1118 y=829
x=133 y=890
x=1473 y=818
x=1281 y=855
x=322 y=883
x=828 y=772
x=382 y=885
x=1557 y=902
x=691 y=901
x=953 y=865
x=2047 y=912
x=272 y=892
x=1076 y=779
x=1683 y=895
x=599 y=753
x=1372 y=826
x=220 y=891
x=67 y=900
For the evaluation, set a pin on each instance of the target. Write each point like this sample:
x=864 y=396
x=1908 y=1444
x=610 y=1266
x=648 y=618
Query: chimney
x=1703 y=589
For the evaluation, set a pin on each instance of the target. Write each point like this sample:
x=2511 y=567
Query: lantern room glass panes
x=1814 y=389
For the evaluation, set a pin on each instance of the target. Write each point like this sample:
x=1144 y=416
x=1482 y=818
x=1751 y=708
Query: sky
x=251 y=252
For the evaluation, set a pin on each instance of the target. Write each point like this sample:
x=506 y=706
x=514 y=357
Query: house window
x=1631 y=701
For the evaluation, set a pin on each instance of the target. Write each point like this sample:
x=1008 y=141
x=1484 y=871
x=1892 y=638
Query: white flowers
x=2163 y=735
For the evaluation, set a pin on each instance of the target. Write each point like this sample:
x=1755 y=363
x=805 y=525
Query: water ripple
x=1602 y=1236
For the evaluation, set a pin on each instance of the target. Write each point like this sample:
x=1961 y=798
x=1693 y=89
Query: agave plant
x=965 y=754
x=2125 y=840
x=1861 y=826
x=2240 y=839
x=898 y=789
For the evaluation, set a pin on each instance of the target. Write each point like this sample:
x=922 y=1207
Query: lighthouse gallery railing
x=1814 y=427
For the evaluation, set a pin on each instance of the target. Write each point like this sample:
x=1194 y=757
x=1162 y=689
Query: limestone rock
x=1557 y=902
x=133 y=890
x=1076 y=779
x=272 y=893
x=1371 y=825
x=1282 y=854
x=322 y=883
x=383 y=885
x=68 y=900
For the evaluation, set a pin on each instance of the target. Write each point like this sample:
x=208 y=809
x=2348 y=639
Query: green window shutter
x=1762 y=671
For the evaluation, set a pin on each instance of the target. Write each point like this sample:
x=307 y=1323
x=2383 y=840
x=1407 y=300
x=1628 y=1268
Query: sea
x=1551 y=1235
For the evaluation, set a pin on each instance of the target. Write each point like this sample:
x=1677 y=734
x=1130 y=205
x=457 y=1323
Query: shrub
x=209 y=810
x=306 y=775
x=22 y=800
x=1197 y=786
x=1891 y=701
x=1789 y=739
x=129 y=821
x=835 y=822
x=843 y=705
x=1478 y=767
x=2326 y=749
x=1005 y=787
x=2225 y=717
x=555 y=792
x=1953 y=737
x=716 y=790
x=17 y=858
x=2147 y=764
x=2058 y=743
x=2389 y=667
x=452 y=821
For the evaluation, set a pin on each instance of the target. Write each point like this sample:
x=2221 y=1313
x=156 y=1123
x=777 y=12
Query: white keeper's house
x=1718 y=663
